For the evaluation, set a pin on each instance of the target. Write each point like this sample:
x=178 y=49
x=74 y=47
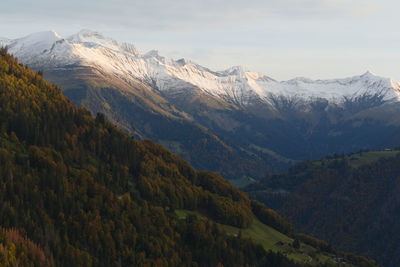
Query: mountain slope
x=351 y=201
x=239 y=123
x=91 y=195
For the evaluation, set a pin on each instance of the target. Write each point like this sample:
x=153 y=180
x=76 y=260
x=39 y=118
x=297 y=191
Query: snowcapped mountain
x=46 y=50
x=240 y=123
x=336 y=89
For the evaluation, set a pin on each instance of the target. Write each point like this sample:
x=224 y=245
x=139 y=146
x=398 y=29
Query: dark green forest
x=352 y=201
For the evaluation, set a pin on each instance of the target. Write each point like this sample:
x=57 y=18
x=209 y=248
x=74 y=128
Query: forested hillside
x=16 y=250
x=352 y=201
x=88 y=194
x=75 y=191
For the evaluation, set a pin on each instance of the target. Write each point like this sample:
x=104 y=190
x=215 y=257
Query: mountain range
x=240 y=123
x=50 y=51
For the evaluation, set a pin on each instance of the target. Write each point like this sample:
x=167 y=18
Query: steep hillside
x=351 y=201
x=75 y=191
x=93 y=196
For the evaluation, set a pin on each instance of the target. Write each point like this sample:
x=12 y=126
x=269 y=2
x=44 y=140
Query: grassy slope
x=273 y=240
x=359 y=159
x=356 y=160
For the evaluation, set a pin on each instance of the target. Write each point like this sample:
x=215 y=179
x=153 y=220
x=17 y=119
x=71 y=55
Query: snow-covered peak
x=45 y=37
x=41 y=37
x=236 y=84
x=36 y=42
x=337 y=89
x=38 y=48
x=95 y=39
x=41 y=49
x=91 y=37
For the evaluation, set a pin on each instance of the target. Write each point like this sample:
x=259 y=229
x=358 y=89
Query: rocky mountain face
x=240 y=123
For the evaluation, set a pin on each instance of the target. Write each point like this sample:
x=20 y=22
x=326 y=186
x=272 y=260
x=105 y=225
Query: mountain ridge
x=235 y=84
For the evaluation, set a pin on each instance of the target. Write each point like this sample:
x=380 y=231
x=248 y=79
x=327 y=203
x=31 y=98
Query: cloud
x=179 y=15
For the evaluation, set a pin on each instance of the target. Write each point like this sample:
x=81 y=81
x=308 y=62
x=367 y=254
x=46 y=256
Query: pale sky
x=280 y=38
